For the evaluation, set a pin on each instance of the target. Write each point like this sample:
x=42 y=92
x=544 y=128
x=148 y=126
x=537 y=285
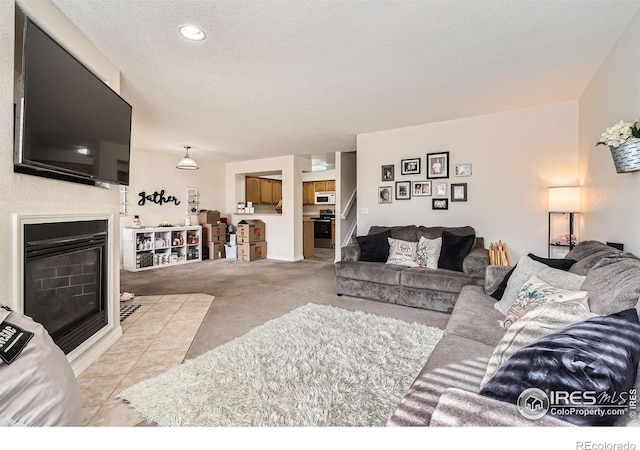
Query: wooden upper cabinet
x=266 y=191
x=252 y=190
x=277 y=191
x=320 y=186
x=308 y=193
x=330 y=185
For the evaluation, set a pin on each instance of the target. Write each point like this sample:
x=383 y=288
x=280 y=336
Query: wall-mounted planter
x=626 y=157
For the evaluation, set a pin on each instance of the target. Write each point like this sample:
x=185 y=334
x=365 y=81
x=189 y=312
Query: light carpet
x=314 y=366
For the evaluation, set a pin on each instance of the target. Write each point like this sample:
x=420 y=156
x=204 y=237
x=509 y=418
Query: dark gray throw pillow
x=598 y=356
x=454 y=250
x=374 y=247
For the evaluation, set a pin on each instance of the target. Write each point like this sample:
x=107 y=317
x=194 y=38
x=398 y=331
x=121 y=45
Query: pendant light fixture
x=187 y=163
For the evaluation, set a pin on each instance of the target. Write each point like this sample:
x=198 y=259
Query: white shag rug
x=315 y=366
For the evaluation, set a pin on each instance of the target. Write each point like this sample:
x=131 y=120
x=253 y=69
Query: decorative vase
x=626 y=157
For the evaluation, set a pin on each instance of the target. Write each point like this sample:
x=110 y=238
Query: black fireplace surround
x=65 y=279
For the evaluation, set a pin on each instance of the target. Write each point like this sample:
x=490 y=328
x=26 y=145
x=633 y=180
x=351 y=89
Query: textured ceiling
x=304 y=77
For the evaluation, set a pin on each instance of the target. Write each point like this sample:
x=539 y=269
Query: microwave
x=325 y=198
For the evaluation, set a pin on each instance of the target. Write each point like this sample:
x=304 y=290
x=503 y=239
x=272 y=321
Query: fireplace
x=65 y=279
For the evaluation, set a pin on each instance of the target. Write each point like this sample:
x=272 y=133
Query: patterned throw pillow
x=402 y=253
x=534 y=293
x=429 y=252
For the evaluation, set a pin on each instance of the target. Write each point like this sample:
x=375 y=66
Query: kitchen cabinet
x=266 y=191
x=308 y=243
x=320 y=186
x=333 y=233
x=308 y=193
x=277 y=191
x=252 y=190
x=263 y=191
x=330 y=185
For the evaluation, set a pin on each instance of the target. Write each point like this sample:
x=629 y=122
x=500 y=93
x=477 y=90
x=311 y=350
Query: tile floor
x=155 y=338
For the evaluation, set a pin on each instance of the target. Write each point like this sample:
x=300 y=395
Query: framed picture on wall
x=438 y=165
x=462 y=170
x=421 y=188
x=403 y=190
x=458 y=192
x=410 y=166
x=388 y=172
x=440 y=203
x=385 y=194
x=440 y=188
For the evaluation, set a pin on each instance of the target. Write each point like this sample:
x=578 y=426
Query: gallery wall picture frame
x=410 y=166
x=385 y=194
x=440 y=189
x=440 y=203
x=388 y=172
x=421 y=188
x=458 y=192
x=437 y=165
x=403 y=190
x=462 y=170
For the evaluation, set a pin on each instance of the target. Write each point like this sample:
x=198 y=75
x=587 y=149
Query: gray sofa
x=420 y=287
x=446 y=392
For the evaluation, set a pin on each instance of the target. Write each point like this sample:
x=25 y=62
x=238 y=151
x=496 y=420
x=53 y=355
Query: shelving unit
x=150 y=248
x=561 y=225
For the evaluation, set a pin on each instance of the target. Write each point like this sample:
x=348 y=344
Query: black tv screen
x=70 y=122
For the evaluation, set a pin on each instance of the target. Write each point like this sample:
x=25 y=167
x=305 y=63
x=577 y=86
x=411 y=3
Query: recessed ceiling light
x=192 y=32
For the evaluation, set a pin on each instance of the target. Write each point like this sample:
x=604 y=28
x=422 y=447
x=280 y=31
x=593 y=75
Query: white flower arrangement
x=618 y=134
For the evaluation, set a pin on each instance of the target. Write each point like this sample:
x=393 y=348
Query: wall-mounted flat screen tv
x=70 y=124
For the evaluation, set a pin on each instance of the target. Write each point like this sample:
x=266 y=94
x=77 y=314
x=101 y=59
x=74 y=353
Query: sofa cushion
x=588 y=254
x=434 y=279
x=556 y=263
x=402 y=253
x=499 y=292
x=535 y=293
x=429 y=252
x=475 y=318
x=599 y=354
x=404 y=233
x=527 y=267
x=454 y=362
x=370 y=271
x=534 y=325
x=454 y=249
x=374 y=247
x=436 y=232
x=613 y=283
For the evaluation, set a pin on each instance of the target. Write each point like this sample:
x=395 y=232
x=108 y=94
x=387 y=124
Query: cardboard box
x=216 y=250
x=251 y=231
x=250 y=251
x=212 y=233
x=230 y=251
x=208 y=217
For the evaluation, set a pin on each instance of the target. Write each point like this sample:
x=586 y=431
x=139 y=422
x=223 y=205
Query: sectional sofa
x=447 y=390
x=420 y=287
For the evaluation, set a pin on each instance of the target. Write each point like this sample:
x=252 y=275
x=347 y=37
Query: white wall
x=515 y=157
x=611 y=208
x=283 y=232
x=345 y=185
x=154 y=171
x=25 y=194
x=319 y=175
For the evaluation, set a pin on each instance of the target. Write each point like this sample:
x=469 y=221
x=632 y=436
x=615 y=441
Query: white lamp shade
x=564 y=199
x=187 y=163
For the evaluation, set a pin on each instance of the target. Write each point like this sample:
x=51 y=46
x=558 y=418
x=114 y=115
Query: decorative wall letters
x=157 y=198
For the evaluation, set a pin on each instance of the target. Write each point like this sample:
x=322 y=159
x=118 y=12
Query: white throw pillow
x=402 y=253
x=535 y=324
x=525 y=269
x=428 y=252
x=535 y=293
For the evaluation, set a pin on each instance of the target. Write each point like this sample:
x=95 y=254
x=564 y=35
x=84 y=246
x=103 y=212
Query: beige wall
x=515 y=156
x=25 y=194
x=611 y=208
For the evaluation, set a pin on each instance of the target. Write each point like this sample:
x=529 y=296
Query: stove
x=322 y=228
